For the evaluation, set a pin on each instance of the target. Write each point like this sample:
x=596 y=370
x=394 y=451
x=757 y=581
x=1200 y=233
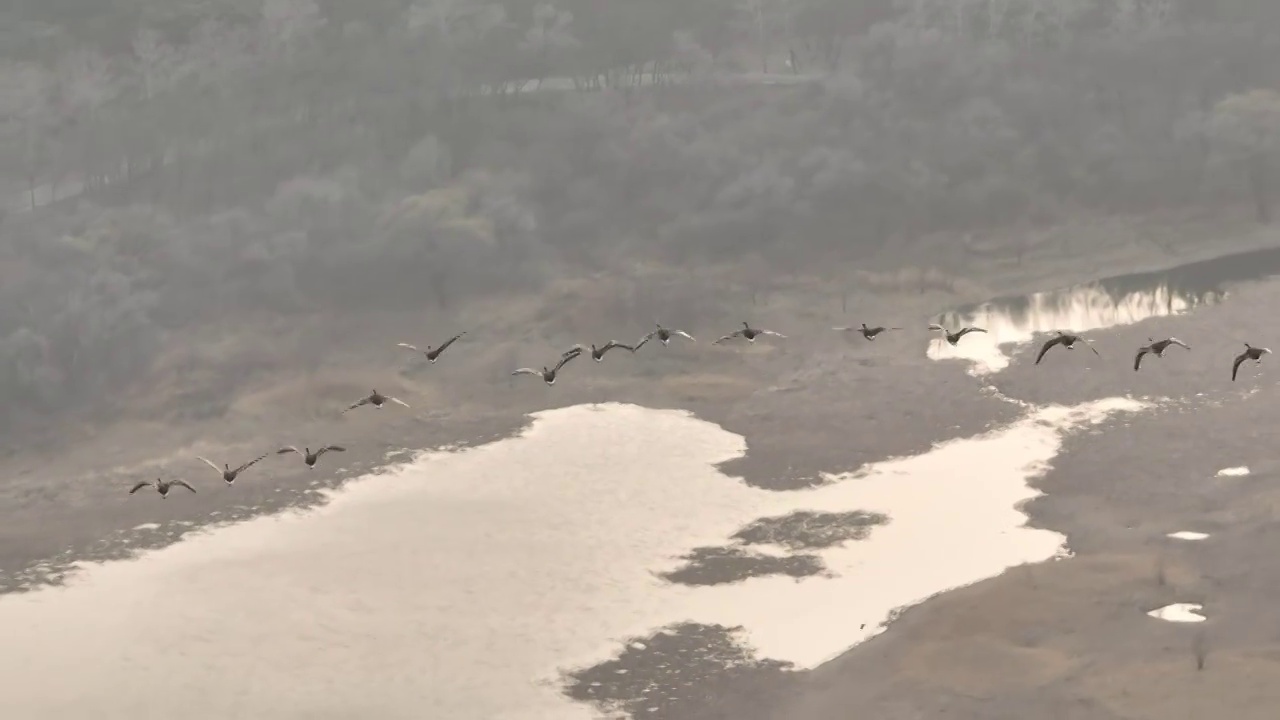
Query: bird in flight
x=1066 y=340
x=664 y=335
x=228 y=473
x=433 y=353
x=1250 y=353
x=161 y=486
x=869 y=333
x=597 y=354
x=375 y=399
x=1157 y=348
x=954 y=337
x=549 y=376
x=309 y=457
x=749 y=333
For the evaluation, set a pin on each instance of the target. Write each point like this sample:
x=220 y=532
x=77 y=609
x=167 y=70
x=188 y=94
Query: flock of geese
x=665 y=335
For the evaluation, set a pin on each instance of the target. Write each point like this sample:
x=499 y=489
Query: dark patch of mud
x=687 y=671
x=808 y=530
x=730 y=564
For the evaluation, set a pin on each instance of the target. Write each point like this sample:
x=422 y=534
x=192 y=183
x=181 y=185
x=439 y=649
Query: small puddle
x=1118 y=300
x=1179 y=613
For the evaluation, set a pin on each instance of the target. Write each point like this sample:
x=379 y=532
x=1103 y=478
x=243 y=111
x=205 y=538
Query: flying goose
x=549 y=376
x=597 y=354
x=954 y=337
x=749 y=333
x=376 y=399
x=1250 y=353
x=1157 y=348
x=869 y=333
x=161 y=486
x=664 y=335
x=1066 y=340
x=228 y=474
x=309 y=457
x=433 y=354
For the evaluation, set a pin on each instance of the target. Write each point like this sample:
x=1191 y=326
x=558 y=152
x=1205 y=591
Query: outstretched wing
x=527 y=371
x=184 y=484
x=398 y=401
x=358 y=403
x=966 y=331
x=1094 y=349
x=1048 y=344
x=730 y=336
x=211 y=464
x=565 y=360
x=139 y=486
x=288 y=449
x=770 y=332
x=644 y=340
x=449 y=342
x=575 y=350
x=1137 y=359
x=1235 y=367
x=845 y=329
x=250 y=464
x=1179 y=343
x=407 y=345
x=327 y=448
x=683 y=334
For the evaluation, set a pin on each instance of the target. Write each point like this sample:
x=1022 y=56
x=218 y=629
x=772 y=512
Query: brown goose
x=1250 y=353
x=1067 y=341
x=309 y=457
x=228 y=474
x=549 y=376
x=954 y=337
x=376 y=399
x=433 y=354
x=597 y=354
x=664 y=335
x=869 y=333
x=1157 y=348
x=749 y=333
x=161 y=486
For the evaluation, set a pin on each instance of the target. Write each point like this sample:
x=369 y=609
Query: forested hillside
x=210 y=159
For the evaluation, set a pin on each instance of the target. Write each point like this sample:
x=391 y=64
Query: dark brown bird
x=431 y=353
x=1250 y=353
x=1066 y=340
x=228 y=474
x=749 y=333
x=309 y=457
x=597 y=354
x=549 y=376
x=954 y=337
x=664 y=336
x=161 y=486
x=376 y=399
x=1156 y=348
x=869 y=333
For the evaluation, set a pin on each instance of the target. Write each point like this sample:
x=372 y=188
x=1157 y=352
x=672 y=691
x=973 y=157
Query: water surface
x=461 y=584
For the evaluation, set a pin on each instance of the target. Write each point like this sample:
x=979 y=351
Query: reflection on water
x=1119 y=300
x=460 y=584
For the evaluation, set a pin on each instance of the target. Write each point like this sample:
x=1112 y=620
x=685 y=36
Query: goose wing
x=644 y=340
x=1048 y=344
x=775 y=334
x=397 y=401
x=683 y=334
x=730 y=336
x=1235 y=367
x=327 y=448
x=845 y=329
x=407 y=345
x=527 y=371
x=967 y=330
x=1137 y=359
x=935 y=326
x=182 y=483
x=140 y=485
x=211 y=464
x=1179 y=343
x=575 y=350
x=251 y=463
x=449 y=342
x=288 y=449
x=564 y=360
x=1089 y=344
x=358 y=403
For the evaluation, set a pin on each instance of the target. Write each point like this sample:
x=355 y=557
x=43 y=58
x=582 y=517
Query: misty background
x=229 y=167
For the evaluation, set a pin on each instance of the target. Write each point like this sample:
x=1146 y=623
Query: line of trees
x=278 y=154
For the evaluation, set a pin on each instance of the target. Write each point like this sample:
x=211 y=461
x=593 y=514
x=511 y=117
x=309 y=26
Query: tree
x=1247 y=126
